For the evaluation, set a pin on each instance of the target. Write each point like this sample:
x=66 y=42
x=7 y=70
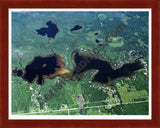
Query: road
x=69 y=109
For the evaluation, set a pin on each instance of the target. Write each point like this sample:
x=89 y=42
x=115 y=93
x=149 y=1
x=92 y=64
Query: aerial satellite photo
x=79 y=62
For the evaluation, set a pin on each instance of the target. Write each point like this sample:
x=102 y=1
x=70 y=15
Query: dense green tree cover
x=21 y=97
x=93 y=94
x=141 y=82
x=129 y=109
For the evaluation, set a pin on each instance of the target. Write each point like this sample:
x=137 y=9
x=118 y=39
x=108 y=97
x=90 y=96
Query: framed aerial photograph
x=82 y=63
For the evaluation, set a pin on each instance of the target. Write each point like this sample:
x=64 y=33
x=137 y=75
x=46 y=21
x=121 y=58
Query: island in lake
x=84 y=62
x=50 y=66
x=42 y=67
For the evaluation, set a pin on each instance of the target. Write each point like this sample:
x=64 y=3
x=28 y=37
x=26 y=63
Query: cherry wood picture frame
x=4 y=42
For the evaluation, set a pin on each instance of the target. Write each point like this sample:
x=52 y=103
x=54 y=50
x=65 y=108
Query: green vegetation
x=109 y=100
x=116 y=42
x=141 y=82
x=93 y=94
x=139 y=109
x=132 y=96
x=102 y=16
x=21 y=97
